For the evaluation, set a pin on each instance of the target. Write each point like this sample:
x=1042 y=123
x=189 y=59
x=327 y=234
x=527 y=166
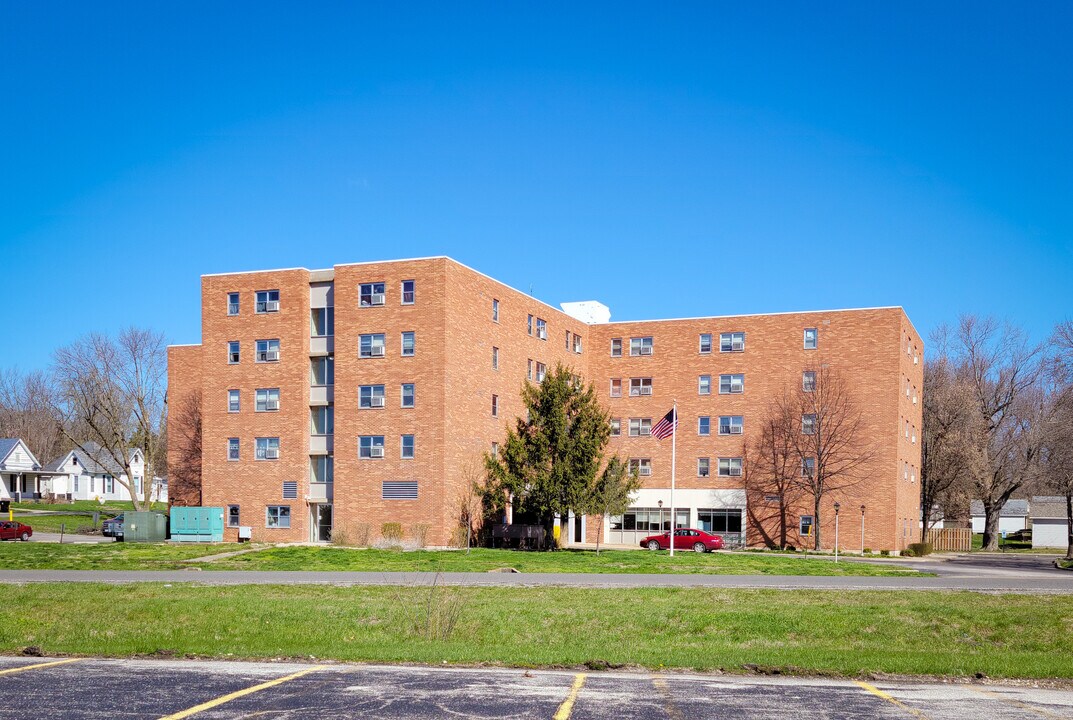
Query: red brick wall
x=184 y=377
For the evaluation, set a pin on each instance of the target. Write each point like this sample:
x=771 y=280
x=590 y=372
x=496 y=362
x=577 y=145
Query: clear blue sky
x=667 y=159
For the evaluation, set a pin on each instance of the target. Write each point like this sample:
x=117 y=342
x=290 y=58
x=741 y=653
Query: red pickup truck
x=15 y=531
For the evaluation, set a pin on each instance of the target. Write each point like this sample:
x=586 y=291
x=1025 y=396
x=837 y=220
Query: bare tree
x=612 y=493
x=828 y=437
x=1058 y=461
x=1002 y=370
x=948 y=415
x=113 y=389
x=26 y=412
x=184 y=449
x=771 y=468
x=471 y=500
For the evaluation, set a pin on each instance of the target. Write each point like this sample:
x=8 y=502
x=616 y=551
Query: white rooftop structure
x=587 y=311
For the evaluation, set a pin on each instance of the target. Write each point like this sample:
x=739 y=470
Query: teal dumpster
x=197 y=524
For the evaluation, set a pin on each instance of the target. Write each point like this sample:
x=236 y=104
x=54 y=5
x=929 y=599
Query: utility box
x=144 y=527
x=197 y=524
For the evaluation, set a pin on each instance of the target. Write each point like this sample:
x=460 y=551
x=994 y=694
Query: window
x=233 y=351
x=266 y=448
x=808 y=467
x=233 y=516
x=616 y=387
x=730 y=467
x=371 y=294
x=322 y=420
x=721 y=520
x=371 y=396
x=495 y=450
x=641 y=346
x=731 y=384
x=232 y=401
x=290 y=490
x=730 y=424
x=805 y=525
x=371 y=446
x=321 y=469
x=704 y=425
x=232 y=449
x=906 y=429
x=529 y=325
x=641 y=466
x=408 y=344
x=407 y=395
x=650 y=519
x=407 y=447
x=703 y=467
x=810 y=338
x=399 y=490
x=577 y=344
x=808 y=424
x=616 y=427
x=266 y=400
x=322 y=322
x=495 y=310
x=705 y=343
x=732 y=342
x=914 y=434
x=569 y=335
x=640 y=386
x=495 y=406
x=704 y=385
x=408 y=287
x=267 y=301
x=808 y=381
x=232 y=304
x=640 y=427
x=542 y=329
x=267 y=351
x=322 y=371
x=616 y=347
x=278 y=516
x=109 y=484
x=495 y=358
x=370 y=346
x=541 y=371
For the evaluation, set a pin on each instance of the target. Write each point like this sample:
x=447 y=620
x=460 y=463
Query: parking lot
x=174 y=689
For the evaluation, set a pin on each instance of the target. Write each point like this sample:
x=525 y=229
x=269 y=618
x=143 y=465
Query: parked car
x=684 y=539
x=15 y=531
x=113 y=527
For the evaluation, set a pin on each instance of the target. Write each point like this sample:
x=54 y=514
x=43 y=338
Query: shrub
x=361 y=534
x=884 y=553
x=391 y=531
x=908 y=552
x=340 y=537
x=419 y=533
x=458 y=538
x=868 y=551
x=920 y=549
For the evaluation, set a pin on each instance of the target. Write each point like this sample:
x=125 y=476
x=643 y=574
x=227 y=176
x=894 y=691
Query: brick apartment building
x=367 y=393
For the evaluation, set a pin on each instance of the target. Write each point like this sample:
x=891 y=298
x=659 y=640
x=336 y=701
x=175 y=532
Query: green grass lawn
x=110 y=507
x=846 y=632
x=51 y=523
x=130 y=556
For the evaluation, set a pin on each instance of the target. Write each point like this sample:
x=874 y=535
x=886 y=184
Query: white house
x=20 y=473
x=1012 y=517
x=1049 y=527
x=78 y=476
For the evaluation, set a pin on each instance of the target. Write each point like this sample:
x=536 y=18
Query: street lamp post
x=862 y=529
x=837 y=507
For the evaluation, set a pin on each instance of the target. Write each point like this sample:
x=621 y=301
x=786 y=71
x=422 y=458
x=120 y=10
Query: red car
x=684 y=539
x=15 y=531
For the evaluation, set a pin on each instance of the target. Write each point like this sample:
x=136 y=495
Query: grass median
x=846 y=632
x=128 y=556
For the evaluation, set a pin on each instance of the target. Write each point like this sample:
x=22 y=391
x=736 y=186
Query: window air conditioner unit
x=736 y=472
x=272 y=453
x=272 y=405
x=377 y=351
x=644 y=471
x=646 y=390
x=272 y=306
x=378 y=401
x=376 y=452
x=645 y=350
x=378 y=299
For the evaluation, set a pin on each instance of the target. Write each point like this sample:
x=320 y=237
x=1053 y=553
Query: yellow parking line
x=563 y=713
x=12 y=671
x=668 y=702
x=240 y=693
x=1016 y=703
x=889 y=698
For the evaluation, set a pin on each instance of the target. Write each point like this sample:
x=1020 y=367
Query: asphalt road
x=133 y=689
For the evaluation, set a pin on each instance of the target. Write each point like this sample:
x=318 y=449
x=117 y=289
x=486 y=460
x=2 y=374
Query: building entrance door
x=322 y=523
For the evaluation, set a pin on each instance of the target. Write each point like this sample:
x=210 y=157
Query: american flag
x=666 y=426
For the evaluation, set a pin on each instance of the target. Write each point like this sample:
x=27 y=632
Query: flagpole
x=674 y=449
